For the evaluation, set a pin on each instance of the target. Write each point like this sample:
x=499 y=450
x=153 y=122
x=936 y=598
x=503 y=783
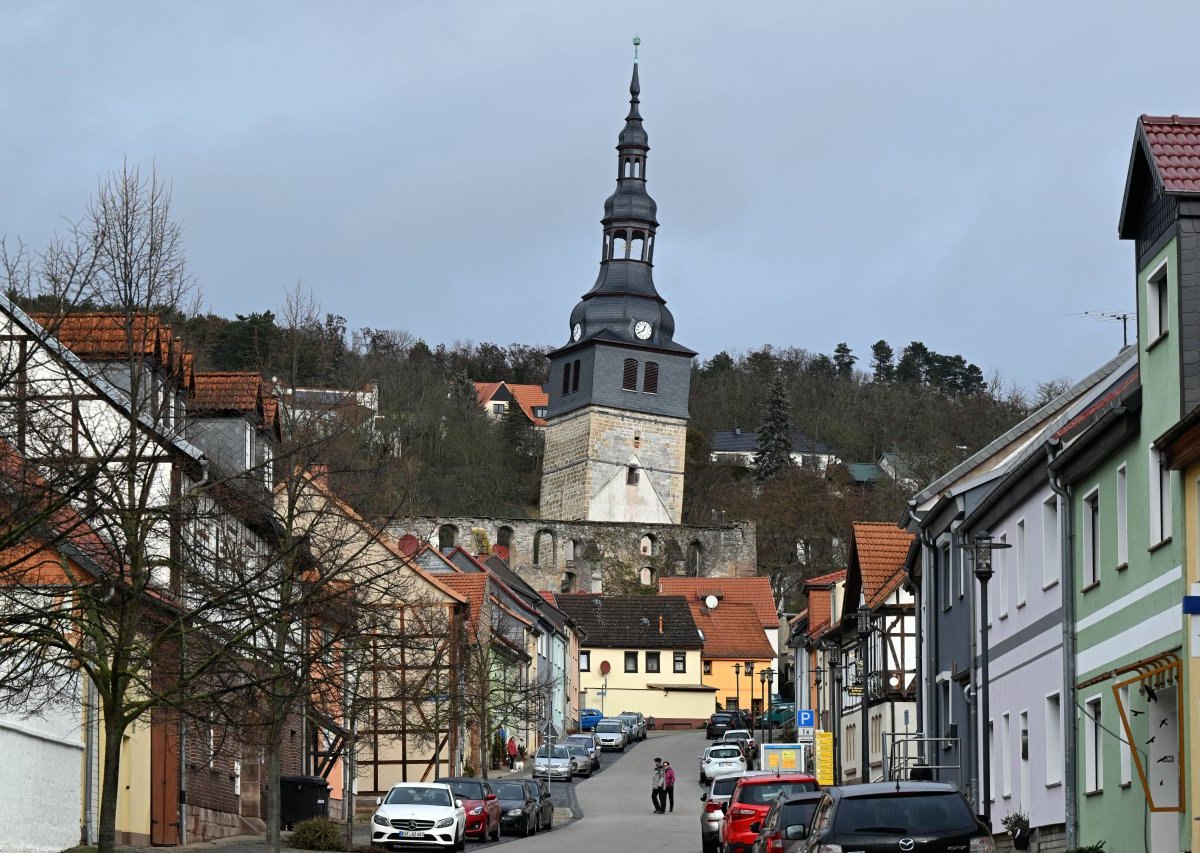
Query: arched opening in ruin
x=647 y=576
x=543 y=548
x=695 y=561
x=646 y=548
x=504 y=540
x=447 y=537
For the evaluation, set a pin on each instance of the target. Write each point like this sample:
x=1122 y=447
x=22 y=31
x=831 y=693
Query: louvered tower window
x=650 y=381
x=566 y=379
x=629 y=379
x=575 y=376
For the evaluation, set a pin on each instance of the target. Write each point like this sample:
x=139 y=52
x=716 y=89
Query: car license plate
x=412 y=833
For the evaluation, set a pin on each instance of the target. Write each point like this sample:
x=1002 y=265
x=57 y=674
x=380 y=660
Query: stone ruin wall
x=596 y=556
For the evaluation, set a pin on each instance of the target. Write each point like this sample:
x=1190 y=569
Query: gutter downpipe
x=1067 y=581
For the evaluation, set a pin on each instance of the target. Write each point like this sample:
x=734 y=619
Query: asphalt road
x=617 y=814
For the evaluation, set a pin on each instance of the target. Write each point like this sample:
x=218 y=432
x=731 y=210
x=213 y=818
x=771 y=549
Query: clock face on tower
x=577 y=332
x=642 y=329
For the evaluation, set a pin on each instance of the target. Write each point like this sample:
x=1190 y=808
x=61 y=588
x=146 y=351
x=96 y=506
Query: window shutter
x=629 y=380
x=650 y=382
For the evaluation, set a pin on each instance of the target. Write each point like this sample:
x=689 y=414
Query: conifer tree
x=844 y=359
x=882 y=361
x=775 y=434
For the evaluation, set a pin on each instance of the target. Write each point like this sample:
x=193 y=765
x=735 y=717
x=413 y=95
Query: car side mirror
x=756 y=827
x=796 y=830
x=725 y=807
x=458 y=804
x=490 y=797
x=703 y=797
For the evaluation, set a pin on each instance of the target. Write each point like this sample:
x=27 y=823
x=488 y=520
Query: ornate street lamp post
x=832 y=650
x=737 y=682
x=764 y=677
x=983 y=548
x=748 y=668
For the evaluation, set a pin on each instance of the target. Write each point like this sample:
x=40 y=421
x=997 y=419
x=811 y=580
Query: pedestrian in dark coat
x=668 y=785
x=658 y=781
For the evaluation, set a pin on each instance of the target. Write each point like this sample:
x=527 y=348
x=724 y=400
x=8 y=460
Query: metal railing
x=915 y=756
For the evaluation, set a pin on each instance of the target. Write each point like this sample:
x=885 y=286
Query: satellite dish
x=711 y=602
x=604 y=667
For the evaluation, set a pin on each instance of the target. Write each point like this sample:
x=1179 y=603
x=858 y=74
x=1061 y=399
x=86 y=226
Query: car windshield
x=509 y=790
x=724 y=787
x=727 y=752
x=763 y=793
x=467 y=790
x=582 y=740
x=576 y=749
x=559 y=752
x=609 y=727
x=720 y=719
x=414 y=796
x=905 y=814
x=737 y=734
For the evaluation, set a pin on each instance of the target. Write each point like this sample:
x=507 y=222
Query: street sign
x=806 y=718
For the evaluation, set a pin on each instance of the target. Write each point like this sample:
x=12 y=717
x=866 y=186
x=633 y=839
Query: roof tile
x=1175 y=146
x=731 y=631
x=633 y=621
x=755 y=591
x=880 y=549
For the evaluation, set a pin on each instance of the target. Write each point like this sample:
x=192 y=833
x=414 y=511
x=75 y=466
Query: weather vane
x=637 y=40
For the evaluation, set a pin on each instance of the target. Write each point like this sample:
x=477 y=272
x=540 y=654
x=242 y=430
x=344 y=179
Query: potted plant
x=1017 y=824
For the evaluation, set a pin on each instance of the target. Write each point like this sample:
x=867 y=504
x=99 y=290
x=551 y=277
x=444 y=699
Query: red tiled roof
x=548 y=595
x=102 y=336
x=880 y=549
x=820 y=601
x=1175 y=146
x=473 y=587
x=528 y=397
x=239 y=392
x=1110 y=397
x=731 y=631
x=755 y=591
x=832 y=577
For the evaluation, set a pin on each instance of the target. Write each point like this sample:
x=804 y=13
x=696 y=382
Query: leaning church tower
x=618 y=408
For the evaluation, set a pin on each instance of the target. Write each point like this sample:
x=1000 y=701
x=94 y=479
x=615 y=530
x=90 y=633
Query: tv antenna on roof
x=1106 y=316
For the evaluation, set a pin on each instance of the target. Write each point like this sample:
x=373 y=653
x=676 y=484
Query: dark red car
x=480 y=803
x=750 y=801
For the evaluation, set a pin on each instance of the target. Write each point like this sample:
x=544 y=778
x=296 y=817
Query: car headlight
x=477 y=810
x=380 y=820
x=445 y=822
x=514 y=813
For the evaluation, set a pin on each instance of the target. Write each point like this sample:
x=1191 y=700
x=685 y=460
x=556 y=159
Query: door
x=164 y=778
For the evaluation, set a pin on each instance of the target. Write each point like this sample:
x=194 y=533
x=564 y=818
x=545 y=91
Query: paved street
x=617 y=814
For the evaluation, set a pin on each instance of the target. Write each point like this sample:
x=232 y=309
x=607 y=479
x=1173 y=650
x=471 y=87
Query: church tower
x=618 y=410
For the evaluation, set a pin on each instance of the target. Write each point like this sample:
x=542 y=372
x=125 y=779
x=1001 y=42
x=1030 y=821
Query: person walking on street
x=658 y=781
x=668 y=785
x=512 y=753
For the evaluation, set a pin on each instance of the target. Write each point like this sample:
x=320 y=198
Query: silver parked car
x=589 y=741
x=553 y=762
x=613 y=734
x=713 y=816
x=639 y=723
x=581 y=759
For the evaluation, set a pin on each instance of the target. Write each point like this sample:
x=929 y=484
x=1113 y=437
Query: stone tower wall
x=587 y=449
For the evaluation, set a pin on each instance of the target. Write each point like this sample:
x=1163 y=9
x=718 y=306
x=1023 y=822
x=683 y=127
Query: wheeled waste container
x=302 y=797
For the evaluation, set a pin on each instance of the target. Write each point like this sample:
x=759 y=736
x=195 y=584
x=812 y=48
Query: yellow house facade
x=736 y=654
x=641 y=653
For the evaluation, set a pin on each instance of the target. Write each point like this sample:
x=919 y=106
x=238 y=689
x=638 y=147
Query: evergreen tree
x=844 y=359
x=914 y=363
x=882 y=357
x=775 y=434
x=517 y=430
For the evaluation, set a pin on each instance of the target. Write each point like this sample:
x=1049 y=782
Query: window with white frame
x=1160 y=498
x=1091 y=538
x=1158 y=316
x=992 y=765
x=1002 y=575
x=947 y=576
x=1005 y=754
x=1122 y=516
x=1093 y=746
x=1022 y=563
x=1123 y=748
x=585 y=660
x=1054 y=751
x=1023 y=754
x=1051 y=556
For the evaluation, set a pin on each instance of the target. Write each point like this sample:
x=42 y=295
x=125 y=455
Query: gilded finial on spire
x=637 y=40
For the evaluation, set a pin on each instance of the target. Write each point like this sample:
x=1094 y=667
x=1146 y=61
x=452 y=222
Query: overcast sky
x=949 y=172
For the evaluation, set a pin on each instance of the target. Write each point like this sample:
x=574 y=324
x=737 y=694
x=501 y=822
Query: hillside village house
x=640 y=653
x=497 y=397
x=739 y=447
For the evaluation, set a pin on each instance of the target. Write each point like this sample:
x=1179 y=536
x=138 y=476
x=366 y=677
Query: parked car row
x=620 y=731
x=771 y=812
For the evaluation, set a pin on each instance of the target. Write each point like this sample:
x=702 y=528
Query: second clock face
x=642 y=329
x=577 y=332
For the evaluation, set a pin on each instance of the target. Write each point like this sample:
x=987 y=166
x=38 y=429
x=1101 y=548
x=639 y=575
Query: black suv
x=929 y=817
x=718 y=724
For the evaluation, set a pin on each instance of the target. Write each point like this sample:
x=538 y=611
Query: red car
x=750 y=801
x=480 y=803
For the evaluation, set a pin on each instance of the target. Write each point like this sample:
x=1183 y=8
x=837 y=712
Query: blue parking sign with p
x=805 y=718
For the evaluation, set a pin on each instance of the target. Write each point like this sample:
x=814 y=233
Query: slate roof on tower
x=633 y=621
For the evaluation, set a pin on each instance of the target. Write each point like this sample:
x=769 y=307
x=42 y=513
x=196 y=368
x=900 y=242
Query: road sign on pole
x=806 y=725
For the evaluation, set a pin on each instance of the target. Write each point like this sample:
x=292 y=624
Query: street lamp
x=982 y=556
x=748 y=668
x=764 y=677
x=737 y=682
x=864 y=634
